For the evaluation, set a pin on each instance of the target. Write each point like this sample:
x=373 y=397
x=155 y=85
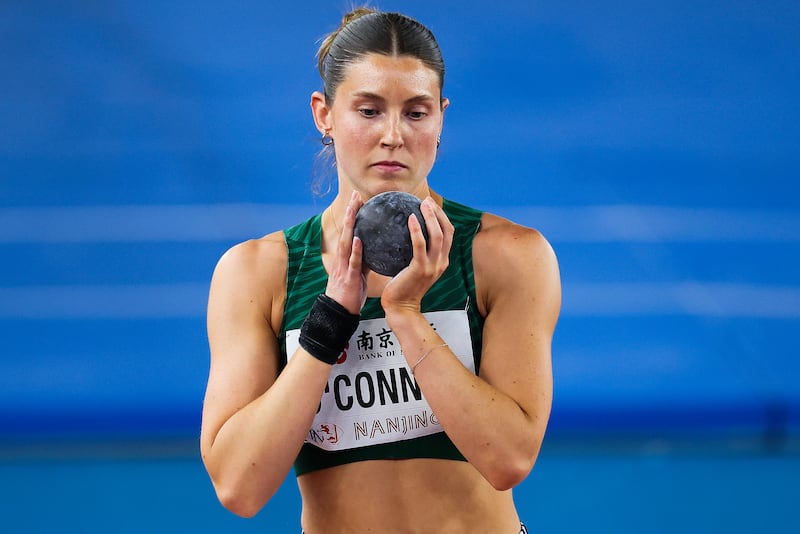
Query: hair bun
x=353 y=15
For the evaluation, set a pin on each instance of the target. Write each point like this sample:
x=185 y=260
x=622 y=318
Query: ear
x=321 y=112
x=445 y=104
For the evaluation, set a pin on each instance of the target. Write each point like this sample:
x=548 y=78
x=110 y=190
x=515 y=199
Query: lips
x=389 y=165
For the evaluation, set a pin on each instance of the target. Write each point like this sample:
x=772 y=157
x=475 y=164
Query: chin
x=385 y=185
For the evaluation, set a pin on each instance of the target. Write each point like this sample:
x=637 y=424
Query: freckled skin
x=382 y=226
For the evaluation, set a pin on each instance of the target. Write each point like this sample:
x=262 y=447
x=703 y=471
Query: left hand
x=406 y=289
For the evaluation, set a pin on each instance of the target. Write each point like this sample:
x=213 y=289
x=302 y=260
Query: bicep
x=522 y=296
x=243 y=347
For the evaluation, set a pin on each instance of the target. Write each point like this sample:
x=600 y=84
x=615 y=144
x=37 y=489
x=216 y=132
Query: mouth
x=389 y=166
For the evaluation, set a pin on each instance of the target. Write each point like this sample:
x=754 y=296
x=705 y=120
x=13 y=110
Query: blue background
x=655 y=144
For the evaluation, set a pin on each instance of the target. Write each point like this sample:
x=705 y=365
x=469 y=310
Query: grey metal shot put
x=382 y=226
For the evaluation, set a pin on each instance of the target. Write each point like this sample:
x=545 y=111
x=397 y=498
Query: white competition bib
x=371 y=396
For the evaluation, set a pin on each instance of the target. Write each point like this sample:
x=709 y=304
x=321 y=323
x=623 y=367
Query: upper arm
x=244 y=305
x=519 y=292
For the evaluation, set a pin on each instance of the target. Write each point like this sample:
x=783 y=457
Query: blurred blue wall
x=655 y=144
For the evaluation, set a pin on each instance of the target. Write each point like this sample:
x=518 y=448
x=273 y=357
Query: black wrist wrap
x=327 y=329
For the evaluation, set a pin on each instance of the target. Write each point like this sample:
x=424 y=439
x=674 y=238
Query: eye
x=417 y=115
x=368 y=112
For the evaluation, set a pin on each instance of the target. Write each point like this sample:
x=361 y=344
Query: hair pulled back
x=367 y=31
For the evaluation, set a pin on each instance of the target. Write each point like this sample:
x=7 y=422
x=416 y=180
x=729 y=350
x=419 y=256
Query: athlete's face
x=385 y=120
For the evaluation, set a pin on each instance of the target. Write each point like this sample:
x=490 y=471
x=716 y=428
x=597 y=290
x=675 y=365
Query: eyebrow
x=372 y=96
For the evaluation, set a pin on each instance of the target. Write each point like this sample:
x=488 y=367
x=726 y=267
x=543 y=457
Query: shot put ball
x=382 y=226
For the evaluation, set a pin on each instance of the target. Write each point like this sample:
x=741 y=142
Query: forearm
x=254 y=449
x=488 y=426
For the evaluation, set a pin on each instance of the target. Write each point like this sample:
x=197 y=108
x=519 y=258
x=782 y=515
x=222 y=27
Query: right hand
x=347 y=281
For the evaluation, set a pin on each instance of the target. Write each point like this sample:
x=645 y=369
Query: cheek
x=425 y=141
x=356 y=136
x=430 y=132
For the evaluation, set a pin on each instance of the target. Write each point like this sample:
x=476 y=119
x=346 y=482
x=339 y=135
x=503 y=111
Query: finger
x=448 y=230
x=360 y=265
x=349 y=218
x=432 y=224
x=355 y=261
x=353 y=205
x=359 y=269
x=438 y=212
x=345 y=243
x=418 y=244
x=348 y=224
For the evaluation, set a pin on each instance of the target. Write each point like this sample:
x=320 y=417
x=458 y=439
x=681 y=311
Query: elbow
x=512 y=466
x=235 y=495
x=510 y=473
x=234 y=492
x=239 y=508
x=237 y=489
x=237 y=502
x=241 y=493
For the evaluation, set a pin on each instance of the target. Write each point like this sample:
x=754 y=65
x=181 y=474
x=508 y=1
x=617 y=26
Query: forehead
x=390 y=75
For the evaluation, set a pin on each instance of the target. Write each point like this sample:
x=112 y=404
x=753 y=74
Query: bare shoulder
x=252 y=273
x=254 y=256
x=510 y=258
x=501 y=243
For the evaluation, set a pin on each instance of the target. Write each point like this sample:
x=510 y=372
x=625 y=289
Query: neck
x=338 y=205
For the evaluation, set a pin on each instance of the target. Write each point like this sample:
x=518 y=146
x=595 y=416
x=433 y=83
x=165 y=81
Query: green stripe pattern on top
x=455 y=290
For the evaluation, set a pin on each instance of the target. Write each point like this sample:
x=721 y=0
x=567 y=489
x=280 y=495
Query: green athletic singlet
x=372 y=408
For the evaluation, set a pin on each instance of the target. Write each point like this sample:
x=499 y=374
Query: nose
x=392 y=135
